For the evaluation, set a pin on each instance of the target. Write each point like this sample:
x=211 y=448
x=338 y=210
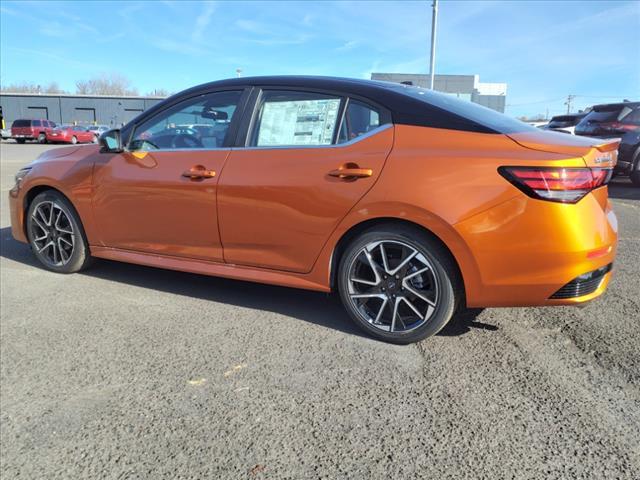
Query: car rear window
x=633 y=118
x=559 y=123
x=471 y=111
x=21 y=123
x=602 y=116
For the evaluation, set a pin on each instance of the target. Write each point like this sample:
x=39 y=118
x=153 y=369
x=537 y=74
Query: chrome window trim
x=181 y=150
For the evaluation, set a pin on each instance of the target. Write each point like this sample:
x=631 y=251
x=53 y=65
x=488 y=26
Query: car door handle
x=351 y=173
x=198 y=172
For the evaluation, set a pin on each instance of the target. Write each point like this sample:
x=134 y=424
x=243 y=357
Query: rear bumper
x=528 y=250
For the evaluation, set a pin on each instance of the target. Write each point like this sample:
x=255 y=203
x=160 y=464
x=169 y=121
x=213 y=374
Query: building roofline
x=76 y=95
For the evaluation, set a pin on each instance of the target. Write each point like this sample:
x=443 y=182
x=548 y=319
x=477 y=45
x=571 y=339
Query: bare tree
x=30 y=87
x=53 y=87
x=159 y=92
x=106 y=84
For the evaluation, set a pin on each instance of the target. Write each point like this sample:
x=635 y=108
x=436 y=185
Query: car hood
x=562 y=143
x=62 y=152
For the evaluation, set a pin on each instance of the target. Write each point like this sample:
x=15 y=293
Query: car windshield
x=469 y=110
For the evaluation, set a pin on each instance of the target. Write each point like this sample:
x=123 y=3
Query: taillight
x=619 y=127
x=556 y=184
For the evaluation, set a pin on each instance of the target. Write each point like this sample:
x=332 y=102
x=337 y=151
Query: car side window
x=198 y=122
x=36 y=123
x=290 y=118
x=358 y=119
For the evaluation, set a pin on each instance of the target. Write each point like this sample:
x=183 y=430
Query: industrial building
x=81 y=109
x=467 y=87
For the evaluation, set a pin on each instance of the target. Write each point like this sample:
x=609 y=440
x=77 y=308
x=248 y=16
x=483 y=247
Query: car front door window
x=196 y=123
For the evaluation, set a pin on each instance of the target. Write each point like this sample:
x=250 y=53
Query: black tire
x=74 y=140
x=78 y=256
x=445 y=273
x=20 y=140
x=635 y=173
x=42 y=138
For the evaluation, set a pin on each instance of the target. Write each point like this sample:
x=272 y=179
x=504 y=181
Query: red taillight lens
x=556 y=184
x=619 y=127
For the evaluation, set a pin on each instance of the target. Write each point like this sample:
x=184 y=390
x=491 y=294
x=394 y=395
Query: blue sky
x=543 y=50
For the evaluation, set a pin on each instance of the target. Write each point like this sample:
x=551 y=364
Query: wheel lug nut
x=397 y=277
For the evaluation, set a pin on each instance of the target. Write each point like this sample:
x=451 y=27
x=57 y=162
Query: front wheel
x=399 y=284
x=55 y=233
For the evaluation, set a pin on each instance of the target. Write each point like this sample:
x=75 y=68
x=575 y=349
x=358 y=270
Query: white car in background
x=98 y=129
x=565 y=123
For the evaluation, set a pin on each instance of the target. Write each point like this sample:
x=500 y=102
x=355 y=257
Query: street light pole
x=434 y=22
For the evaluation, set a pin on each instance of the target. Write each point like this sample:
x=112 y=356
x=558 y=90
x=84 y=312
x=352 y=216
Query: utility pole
x=434 y=22
x=238 y=72
x=568 y=103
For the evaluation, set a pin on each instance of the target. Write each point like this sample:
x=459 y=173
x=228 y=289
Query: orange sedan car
x=409 y=203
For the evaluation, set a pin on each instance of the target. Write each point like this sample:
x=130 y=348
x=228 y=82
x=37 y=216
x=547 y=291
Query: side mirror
x=111 y=142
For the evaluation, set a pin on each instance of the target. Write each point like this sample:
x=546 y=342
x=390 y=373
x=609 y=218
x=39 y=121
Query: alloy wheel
x=52 y=233
x=392 y=286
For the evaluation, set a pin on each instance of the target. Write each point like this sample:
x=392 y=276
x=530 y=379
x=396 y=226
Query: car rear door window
x=358 y=119
x=292 y=118
x=198 y=122
x=35 y=123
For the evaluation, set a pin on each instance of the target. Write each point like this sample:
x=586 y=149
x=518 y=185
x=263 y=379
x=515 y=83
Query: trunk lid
x=596 y=152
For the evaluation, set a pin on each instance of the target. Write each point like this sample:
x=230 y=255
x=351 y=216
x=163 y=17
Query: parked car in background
x=538 y=124
x=23 y=130
x=617 y=120
x=71 y=134
x=407 y=202
x=565 y=123
x=98 y=129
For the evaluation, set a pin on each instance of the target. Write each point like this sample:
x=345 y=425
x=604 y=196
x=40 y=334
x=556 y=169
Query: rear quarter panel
x=439 y=178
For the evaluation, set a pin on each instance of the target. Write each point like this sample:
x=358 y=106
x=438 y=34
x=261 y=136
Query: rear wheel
x=74 y=140
x=20 y=140
x=42 y=138
x=55 y=233
x=398 y=284
x=635 y=173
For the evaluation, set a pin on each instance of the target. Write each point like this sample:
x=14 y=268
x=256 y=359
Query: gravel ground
x=131 y=372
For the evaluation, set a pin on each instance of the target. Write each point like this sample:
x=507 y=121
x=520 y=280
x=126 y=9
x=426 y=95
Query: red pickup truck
x=23 y=130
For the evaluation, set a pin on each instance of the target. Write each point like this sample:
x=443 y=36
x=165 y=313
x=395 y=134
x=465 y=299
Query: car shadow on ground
x=314 y=307
x=622 y=189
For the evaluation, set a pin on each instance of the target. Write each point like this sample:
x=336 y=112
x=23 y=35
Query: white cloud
x=202 y=21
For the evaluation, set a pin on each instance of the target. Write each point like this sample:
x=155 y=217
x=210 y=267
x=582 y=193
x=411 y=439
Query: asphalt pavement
x=132 y=372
